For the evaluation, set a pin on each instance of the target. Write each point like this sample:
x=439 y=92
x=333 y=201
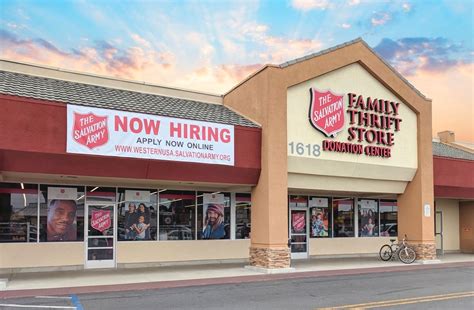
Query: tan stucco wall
x=401 y=166
x=466 y=226
x=28 y=255
x=182 y=251
x=346 y=246
x=450 y=210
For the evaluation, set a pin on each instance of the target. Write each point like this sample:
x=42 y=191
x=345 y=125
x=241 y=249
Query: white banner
x=105 y=132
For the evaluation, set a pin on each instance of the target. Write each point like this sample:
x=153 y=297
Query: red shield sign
x=326 y=111
x=101 y=220
x=298 y=222
x=90 y=130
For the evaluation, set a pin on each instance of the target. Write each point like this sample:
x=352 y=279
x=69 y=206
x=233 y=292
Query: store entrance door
x=439 y=232
x=299 y=232
x=100 y=235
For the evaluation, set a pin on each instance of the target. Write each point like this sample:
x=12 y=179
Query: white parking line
x=36 y=306
x=54 y=297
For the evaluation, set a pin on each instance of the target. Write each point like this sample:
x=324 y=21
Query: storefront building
x=326 y=155
x=453 y=165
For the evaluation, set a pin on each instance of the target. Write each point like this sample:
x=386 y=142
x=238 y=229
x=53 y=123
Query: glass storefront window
x=343 y=209
x=368 y=218
x=320 y=217
x=18 y=212
x=137 y=214
x=61 y=213
x=213 y=216
x=242 y=216
x=388 y=218
x=177 y=215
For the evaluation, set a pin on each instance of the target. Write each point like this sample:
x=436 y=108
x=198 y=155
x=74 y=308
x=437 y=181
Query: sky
x=210 y=46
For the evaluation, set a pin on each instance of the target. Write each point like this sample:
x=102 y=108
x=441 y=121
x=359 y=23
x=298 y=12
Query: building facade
x=326 y=155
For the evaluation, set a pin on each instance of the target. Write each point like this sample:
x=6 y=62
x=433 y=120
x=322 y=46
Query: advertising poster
x=298 y=222
x=62 y=210
x=95 y=131
x=137 y=215
x=213 y=216
x=319 y=209
x=368 y=218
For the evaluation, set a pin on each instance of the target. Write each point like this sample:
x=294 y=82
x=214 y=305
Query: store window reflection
x=18 y=212
x=343 y=209
x=243 y=216
x=177 y=214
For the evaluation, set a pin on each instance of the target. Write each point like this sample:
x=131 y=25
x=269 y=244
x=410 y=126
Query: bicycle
x=406 y=254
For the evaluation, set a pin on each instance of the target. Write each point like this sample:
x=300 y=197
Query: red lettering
x=212 y=134
x=225 y=135
x=152 y=125
x=122 y=123
x=351 y=99
x=175 y=129
x=136 y=125
x=194 y=132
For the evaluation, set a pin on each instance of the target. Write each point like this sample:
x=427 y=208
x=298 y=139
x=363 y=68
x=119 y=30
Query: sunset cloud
x=409 y=55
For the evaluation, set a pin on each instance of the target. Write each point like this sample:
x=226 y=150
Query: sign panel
x=137 y=196
x=101 y=220
x=67 y=193
x=95 y=131
x=326 y=111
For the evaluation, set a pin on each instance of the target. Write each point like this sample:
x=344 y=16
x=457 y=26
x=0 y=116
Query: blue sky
x=212 y=45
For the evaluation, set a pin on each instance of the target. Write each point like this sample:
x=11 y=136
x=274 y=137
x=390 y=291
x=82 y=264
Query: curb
x=215 y=281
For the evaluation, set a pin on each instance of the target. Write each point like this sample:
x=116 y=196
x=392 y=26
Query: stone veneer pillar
x=270 y=258
x=424 y=251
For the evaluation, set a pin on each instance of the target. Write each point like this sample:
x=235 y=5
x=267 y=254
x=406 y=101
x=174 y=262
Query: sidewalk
x=85 y=281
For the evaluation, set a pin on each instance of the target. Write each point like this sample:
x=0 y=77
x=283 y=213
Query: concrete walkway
x=64 y=282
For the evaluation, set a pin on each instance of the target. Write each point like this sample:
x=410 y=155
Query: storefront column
x=414 y=218
x=269 y=238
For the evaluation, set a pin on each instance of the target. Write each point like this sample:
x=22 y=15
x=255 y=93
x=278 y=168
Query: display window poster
x=319 y=210
x=137 y=215
x=62 y=214
x=368 y=218
x=298 y=222
x=213 y=216
x=95 y=131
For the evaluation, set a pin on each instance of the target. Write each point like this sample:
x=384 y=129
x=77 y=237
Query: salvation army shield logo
x=101 y=220
x=90 y=130
x=326 y=111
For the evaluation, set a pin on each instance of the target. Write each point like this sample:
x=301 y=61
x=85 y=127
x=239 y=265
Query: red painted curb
x=215 y=281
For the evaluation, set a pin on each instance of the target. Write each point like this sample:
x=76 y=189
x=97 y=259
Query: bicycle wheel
x=385 y=252
x=407 y=255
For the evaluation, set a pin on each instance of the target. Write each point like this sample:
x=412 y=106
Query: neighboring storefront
x=453 y=166
x=326 y=155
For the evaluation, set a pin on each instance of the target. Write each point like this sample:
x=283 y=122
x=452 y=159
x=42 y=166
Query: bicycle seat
x=393 y=240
